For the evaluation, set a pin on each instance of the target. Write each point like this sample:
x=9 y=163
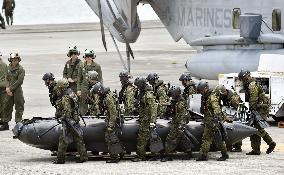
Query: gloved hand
x=152 y=125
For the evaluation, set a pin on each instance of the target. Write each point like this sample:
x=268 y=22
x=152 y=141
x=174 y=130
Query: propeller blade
x=102 y=24
x=119 y=28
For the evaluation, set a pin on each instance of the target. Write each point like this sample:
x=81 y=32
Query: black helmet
x=201 y=86
x=243 y=73
x=140 y=82
x=124 y=74
x=152 y=77
x=73 y=50
x=48 y=76
x=174 y=91
x=98 y=87
x=185 y=76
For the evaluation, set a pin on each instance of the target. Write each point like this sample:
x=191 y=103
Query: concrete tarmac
x=43 y=48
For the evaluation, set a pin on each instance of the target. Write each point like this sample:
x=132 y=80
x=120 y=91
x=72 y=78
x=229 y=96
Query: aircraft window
x=236 y=18
x=276 y=20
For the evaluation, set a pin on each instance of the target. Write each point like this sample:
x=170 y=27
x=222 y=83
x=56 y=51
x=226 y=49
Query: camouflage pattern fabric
x=65 y=108
x=162 y=98
x=189 y=90
x=94 y=109
x=175 y=136
x=127 y=97
x=15 y=78
x=147 y=115
x=212 y=109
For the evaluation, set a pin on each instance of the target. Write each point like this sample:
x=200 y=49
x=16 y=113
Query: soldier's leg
x=19 y=104
x=8 y=109
x=12 y=19
x=266 y=137
x=2 y=22
x=170 y=145
x=7 y=18
x=80 y=147
x=114 y=158
x=255 y=144
x=62 y=146
x=83 y=104
x=142 y=141
x=207 y=140
x=3 y=126
x=223 y=148
x=237 y=147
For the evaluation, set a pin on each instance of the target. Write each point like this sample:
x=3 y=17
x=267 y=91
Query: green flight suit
x=66 y=110
x=71 y=71
x=15 y=78
x=127 y=97
x=3 y=84
x=212 y=110
x=147 y=115
x=83 y=82
x=256 y=98
x=162 y=98
x=180 y=118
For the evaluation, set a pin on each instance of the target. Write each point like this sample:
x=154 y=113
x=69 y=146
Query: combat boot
x=113 y=160
x=223 y=157
x=253 y=153
x=4 y=126
x=271 y=147
x=202 y=157
x=237 y=150
x=82 y=160
x=58 y=161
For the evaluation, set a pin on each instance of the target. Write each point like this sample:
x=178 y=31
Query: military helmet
x=243 y=73
x=221 y=89
x=124 y=73
x=174 y=91
x=48 y=76
x=14 y=56
x=62 y=83
x=92 y=75
x=201 y=86
x=73 y=50
x=89 y=53
x=185 y=76
x=152 y=77
x=98 y=87
x=140 y=82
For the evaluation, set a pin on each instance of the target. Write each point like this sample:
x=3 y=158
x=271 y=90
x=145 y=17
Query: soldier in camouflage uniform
x=82 y=86
x=127 y=94
x=260 y=103
x=14 y=91
x=230 y=99
x=50 y=83
x=9 y=6
x=160 y=91
x=67 y=111
x=93 y=99
x=3 y=84
x=109 y=107
x=212 y=120
x=147 y=116
x=180 y=118
x=70 y=71
x=189 y=85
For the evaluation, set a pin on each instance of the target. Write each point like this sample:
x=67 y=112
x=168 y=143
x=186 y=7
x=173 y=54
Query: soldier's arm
x=65 y=74
x=3 y=76
x=66 y=106
x=152 y=106
x=181 y=113
x=100 y=74
x=253 y=92
x=163 y=97
x=129 y=98
x=216 y=106
x=19 y=81
x=14 y=4
x=80 y=77
x=111 y=107
x=76 y=73
x=235 y=101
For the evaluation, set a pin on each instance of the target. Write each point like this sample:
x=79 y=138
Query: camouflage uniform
x=66 y=110
x=256 y=97
x=71 y=71
x=212 y=110
x=111 y=119
x=83 y=83
x=127 y=97
x=53 y=93
x=180 y=118
x=147 y=115
x=9 y=6
x=160 y=92
x=15 y=80
x=3 y=84
x=189 y=90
